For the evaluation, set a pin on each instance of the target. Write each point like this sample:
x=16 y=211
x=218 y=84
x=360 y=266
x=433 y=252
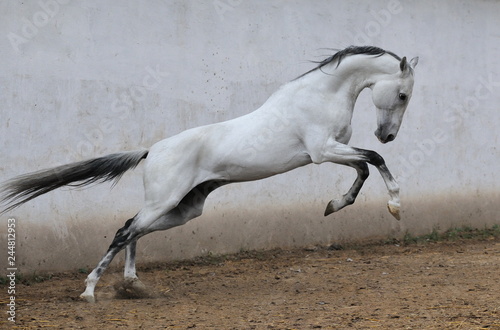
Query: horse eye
x=402 y=96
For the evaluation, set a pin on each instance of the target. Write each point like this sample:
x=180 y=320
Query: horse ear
x=414 y=62
x=403 y=65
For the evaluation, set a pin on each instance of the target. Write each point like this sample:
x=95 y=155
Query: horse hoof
x=394 y=209
x=87 y=298
x=333 y=206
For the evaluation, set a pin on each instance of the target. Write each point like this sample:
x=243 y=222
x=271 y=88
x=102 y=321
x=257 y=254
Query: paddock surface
x=445 y=285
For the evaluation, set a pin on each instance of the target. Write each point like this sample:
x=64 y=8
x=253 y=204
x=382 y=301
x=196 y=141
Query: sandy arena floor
x=447 y=285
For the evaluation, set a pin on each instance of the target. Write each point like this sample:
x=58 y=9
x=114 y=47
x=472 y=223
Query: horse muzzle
x=385 y=137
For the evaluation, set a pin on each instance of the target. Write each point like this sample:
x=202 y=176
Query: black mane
x=352 y=50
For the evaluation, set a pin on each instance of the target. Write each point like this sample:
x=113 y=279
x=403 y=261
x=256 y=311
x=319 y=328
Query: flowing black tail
x=23 y=188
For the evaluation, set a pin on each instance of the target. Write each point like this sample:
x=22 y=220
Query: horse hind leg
x=188 y=208
x=118 y=243
x=130 y=272
x=129 y=233
x=132 y=287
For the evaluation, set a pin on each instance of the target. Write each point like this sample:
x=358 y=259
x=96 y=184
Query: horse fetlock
x=349 y=199
x=130 y=275
x=90 y=283
x=394 y=192
x=92 y=278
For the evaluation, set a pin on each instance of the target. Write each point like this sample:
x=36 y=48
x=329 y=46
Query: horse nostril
x=390 y=137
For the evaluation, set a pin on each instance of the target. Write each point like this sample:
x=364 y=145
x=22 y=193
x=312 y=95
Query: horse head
x=391 y=95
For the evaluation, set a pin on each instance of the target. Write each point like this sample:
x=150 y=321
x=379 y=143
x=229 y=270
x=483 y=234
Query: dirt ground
x=445 y=285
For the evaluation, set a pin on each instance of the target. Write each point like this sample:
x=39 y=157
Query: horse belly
x=261 y=165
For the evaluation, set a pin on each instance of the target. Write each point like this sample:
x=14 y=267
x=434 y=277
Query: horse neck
x=354 y=74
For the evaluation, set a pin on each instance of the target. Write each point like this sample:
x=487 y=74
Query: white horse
x=308 y=120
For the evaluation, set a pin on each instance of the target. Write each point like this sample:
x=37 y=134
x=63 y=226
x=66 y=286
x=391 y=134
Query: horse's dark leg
x=350 y=196
x=392 y=186
x=123 y=237
x=339 y=153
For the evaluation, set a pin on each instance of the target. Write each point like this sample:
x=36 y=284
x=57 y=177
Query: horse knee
x=374 y=158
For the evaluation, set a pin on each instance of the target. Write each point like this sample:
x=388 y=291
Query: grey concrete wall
x=80 y=79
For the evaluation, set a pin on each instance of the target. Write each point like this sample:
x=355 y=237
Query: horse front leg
x=349 y=198
x=394 y=204
x=346 y=155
